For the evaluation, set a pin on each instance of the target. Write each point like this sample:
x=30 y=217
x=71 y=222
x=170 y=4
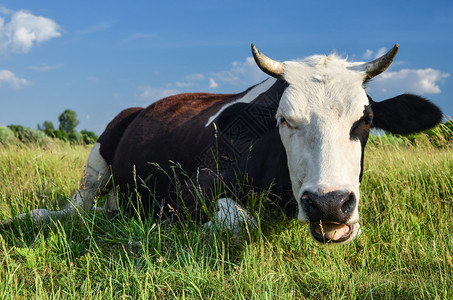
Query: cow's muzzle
x=329 y=215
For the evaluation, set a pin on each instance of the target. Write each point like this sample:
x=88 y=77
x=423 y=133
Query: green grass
x=405 y=250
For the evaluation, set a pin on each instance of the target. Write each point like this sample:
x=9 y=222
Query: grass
x=405 y=250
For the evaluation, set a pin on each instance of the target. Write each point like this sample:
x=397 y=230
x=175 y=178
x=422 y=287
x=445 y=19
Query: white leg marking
x=111 y=204
x=40 y=216
x=95 y=178
x=232 y=216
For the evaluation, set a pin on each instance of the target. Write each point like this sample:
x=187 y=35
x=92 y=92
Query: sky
x=100 y=57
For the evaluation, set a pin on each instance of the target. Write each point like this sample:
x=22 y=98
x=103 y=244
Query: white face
x=316 y=113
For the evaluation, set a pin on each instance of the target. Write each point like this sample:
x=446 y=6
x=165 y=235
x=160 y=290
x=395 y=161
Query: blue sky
x=99 y=57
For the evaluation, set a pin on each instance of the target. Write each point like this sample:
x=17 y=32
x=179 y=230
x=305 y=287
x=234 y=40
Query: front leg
x=199 y=198
x=233 y=217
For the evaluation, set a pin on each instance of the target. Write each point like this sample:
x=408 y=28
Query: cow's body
x=300 y=135
x=188 y=129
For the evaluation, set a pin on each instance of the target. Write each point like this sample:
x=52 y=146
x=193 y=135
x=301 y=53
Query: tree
x=88 y=137
x=61 y=135
x=48 y=128
x=68 y=121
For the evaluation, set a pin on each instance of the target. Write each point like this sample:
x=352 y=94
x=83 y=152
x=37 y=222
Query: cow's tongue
x=331 y=231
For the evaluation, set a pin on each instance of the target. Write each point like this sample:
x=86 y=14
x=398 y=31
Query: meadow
x=405 y=250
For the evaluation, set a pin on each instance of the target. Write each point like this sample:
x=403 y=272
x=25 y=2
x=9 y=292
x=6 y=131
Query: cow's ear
x=405 y=114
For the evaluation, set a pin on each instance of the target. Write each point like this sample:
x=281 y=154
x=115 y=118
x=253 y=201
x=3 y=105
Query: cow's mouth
x=331 y=232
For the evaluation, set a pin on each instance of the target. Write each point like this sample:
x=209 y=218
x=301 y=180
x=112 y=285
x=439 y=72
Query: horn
x=267 y=65
x=379 y=65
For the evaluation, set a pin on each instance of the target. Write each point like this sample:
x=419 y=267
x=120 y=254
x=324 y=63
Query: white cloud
x=5 y=11
x=418 y=81
x=212 y=83
x=380 y=52
x=371 y=54
x=150 y=93
x=26 y=30
x=368 y=53
x=241 y=73
x=45 y=67
x=15 y=82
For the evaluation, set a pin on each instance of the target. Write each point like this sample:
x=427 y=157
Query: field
x=405 y=251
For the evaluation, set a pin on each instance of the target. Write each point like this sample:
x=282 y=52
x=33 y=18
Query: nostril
x=308 y=203
x=348 y=204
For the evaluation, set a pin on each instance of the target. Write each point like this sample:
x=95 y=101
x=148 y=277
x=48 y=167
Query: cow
x=300 y=134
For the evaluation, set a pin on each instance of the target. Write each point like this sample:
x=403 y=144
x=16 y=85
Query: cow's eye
x=368 y=120
x=282 y=122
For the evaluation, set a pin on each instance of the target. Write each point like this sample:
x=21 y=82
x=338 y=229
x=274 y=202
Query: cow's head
x=324 y=119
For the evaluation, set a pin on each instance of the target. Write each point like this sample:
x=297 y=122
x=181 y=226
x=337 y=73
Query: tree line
x=66 y=131
x=441 y=135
